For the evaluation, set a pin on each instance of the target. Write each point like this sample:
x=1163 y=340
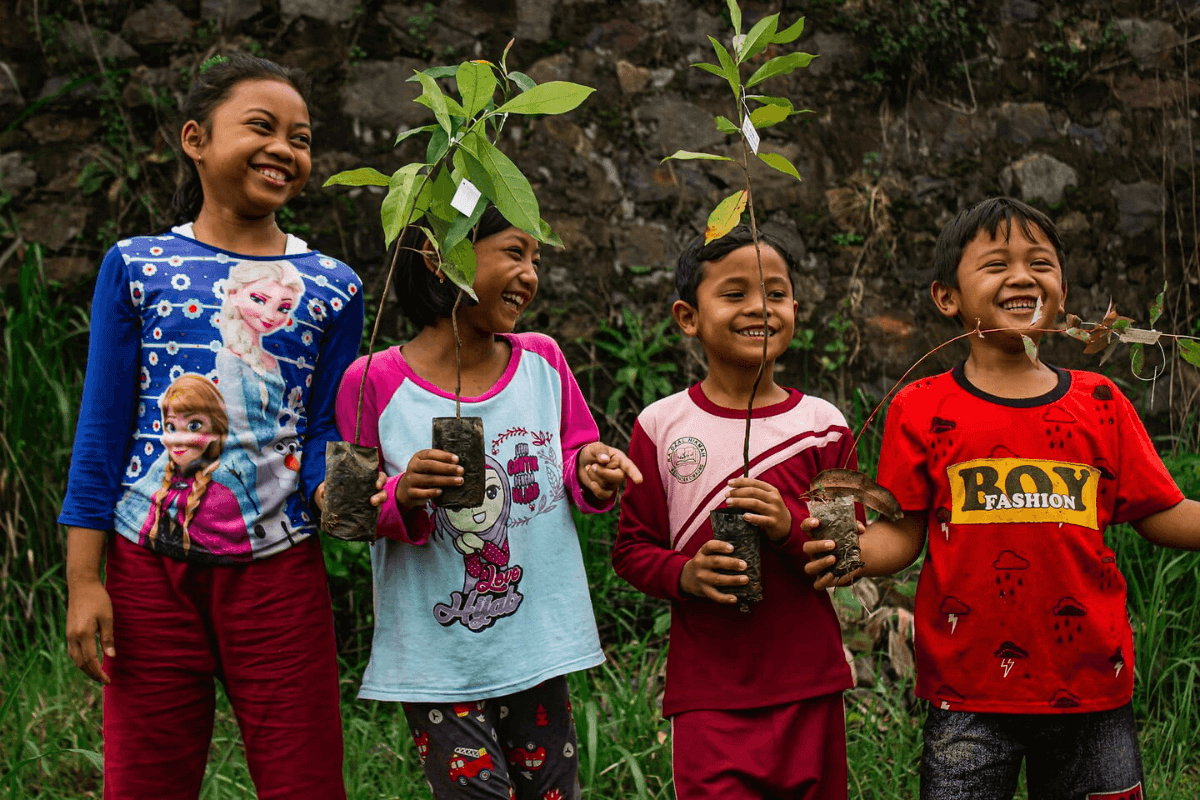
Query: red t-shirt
x=1020 y=605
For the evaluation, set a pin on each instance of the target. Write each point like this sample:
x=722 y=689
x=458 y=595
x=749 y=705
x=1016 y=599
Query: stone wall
x=1087 y=109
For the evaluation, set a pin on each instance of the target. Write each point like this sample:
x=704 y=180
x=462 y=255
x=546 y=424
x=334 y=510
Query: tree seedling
x=444 y=196
x=728 y=524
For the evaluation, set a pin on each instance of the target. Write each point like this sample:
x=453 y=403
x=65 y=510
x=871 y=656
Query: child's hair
x=690 y=269
x=192 y=394
x=424 y=298
x=211 y=87
x=987 y=215
x=233 y=329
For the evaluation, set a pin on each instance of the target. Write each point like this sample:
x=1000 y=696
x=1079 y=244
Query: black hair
x=423 y=298
x=987 y=216
x=690 y=269
x=210 y=87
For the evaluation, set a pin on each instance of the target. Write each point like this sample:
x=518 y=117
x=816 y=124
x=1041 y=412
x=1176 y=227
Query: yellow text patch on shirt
x=990 y=490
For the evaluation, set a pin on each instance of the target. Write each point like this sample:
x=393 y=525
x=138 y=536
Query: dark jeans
x=1090 y=756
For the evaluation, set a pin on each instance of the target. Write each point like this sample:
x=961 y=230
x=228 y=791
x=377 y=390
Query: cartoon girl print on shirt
x=481 y=535
x=191 y=512
x=259 y=298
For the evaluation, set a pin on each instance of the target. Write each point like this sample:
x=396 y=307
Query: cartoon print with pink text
x=522 y=478
x=489 y=589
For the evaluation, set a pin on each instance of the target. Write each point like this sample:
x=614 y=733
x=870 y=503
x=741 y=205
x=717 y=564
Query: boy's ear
x=191 y=138
x=946 y=298
x=686 y=317
x=431 y=262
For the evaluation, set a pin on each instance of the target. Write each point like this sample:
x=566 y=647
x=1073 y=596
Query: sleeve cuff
x=412 y=526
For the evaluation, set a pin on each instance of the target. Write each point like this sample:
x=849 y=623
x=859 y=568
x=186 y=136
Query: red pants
x=795 y=751
x=264 y=629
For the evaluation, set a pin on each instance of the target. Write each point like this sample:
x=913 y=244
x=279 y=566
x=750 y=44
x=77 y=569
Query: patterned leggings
x=517 y=747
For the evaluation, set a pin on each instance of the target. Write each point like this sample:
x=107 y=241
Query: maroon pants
x=264 y=629
x=795 y=751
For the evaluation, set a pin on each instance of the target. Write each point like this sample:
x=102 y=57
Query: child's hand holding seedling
x=428 y=471
x=603 y=470
x=763 y=505
x=821 y=558
x=710 y=569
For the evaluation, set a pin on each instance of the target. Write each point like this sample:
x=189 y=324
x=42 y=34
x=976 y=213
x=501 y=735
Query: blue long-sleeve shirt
x=209 y=394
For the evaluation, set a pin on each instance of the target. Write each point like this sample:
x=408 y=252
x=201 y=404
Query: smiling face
x=728 y=315
x=253 y=153
x=187 y=436
x=264 y=304
x=484 y=516
x=1002 y=279
x=506 y=280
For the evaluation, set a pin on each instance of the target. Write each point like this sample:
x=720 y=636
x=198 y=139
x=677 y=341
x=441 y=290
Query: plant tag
x=739 y=39
x=1139 y=336
x=751 y=134
x=466 y=197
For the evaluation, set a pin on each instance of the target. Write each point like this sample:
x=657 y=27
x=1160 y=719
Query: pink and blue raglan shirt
x=492 y=600
x=209 y=395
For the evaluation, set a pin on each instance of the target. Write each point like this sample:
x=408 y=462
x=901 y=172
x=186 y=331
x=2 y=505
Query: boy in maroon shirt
x=754 y=699
x=1014 y=469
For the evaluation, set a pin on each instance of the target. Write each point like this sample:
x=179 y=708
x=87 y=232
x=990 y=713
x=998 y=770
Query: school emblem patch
x=686 y=458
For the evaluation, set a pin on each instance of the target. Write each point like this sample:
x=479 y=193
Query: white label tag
x=739 y=39
x=466 y=197
x=751 y=134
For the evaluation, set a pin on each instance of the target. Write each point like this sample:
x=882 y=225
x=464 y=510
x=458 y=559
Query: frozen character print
x=191 y=513
x=481 y=535
x=259 y=298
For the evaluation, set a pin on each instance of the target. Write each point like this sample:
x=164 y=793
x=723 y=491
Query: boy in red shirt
x=754 y=699
x=1014 y=469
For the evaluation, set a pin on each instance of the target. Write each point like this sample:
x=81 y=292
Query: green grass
x=50 y=715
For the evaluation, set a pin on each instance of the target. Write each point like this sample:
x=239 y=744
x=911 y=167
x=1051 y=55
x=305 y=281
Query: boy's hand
x=821 y=560
x=603 y=470
x=428 y=471
x=89 y=613
x=700 y=576
x=763 y=504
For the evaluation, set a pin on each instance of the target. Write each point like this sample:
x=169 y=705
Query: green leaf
x=1189 y=349
x=776 y=161
x=523 y=81
x=1030 y=348
x=439 y=144
x=758 y=38
x=476 y=85
x=436 y=73
x=780 y=65
x=400 y=137
x=363 y=176
x=725 y=126
x=735 y=15
x=397 y=208
x=790 y=34
x=688 y=155
x=1137 y=359
x=459 y=266
x=711 y=68
x=504 y=57
x=725 y=216
x=728 y=68
x=436 y=100
x=498 y=178
x=443 y=193
x=766 y=116
x=1156 y=309
x=550 y=237
x=554 y=97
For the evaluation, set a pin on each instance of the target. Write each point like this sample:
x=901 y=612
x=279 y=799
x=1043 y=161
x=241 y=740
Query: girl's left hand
x=763 y=505
x=603 y=470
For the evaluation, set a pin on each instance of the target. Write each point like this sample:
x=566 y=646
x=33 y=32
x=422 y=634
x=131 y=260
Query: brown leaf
x=845 y=482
